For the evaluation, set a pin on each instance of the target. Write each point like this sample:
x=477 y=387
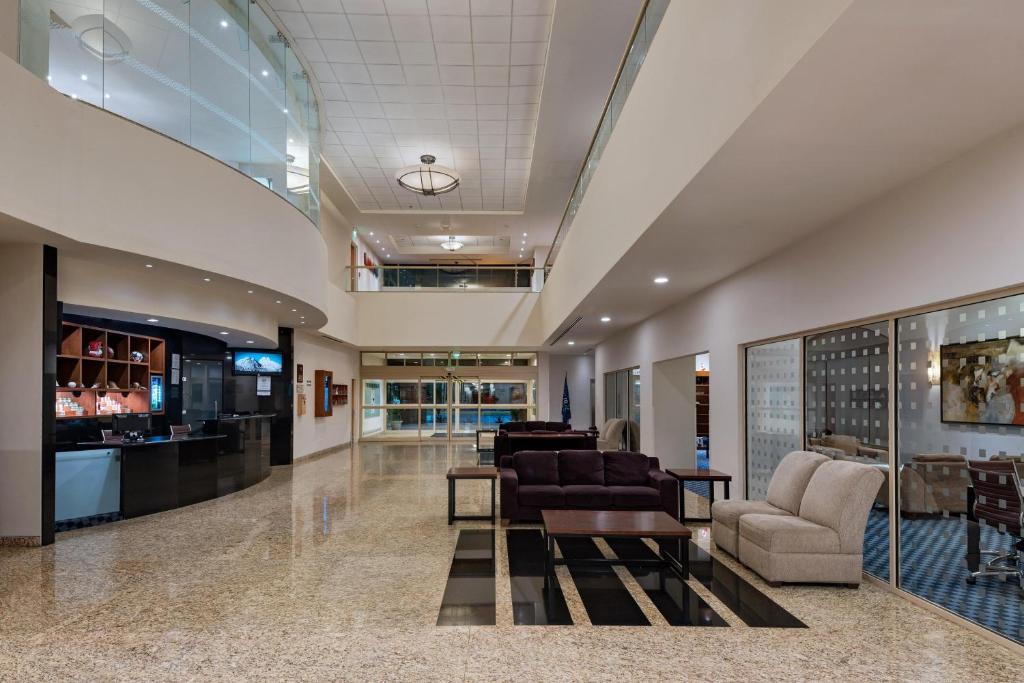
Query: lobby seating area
x=513 y=437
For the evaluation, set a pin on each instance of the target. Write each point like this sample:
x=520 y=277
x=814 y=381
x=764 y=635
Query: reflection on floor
x=933 y=566
x=336 y=569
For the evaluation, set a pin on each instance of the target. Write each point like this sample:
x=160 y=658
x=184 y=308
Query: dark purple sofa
x=532 y=481
x=539 y=436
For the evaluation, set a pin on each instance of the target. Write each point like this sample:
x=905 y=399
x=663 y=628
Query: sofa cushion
x=788 y=534
x=623 y=468
x=728 y=512
x=556 y=426
x=634 y=496
x=535 y=425
x=541 y=495
x=513 y=427
x=587 y=496
x=831 y=487
x=580 y=467
x=536 y=467
x=789 y=481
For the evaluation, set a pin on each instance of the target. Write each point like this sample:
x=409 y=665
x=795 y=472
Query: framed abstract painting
x=983 y=382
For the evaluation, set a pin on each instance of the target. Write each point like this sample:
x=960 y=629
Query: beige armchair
x=785 y=491
x=825 y=543
x=610 y=436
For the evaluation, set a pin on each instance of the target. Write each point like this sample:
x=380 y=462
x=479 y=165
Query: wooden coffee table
x=655 y=525
x=710 y=476
x=456 y=473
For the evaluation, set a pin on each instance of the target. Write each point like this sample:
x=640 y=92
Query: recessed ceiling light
x=250 y=291
x=524 y=241
x=74 y=96
x=277 y=302
x=206 y=279
x=605 y=319
x=249 y=341
x=302 y=322
x=291 y=141
x=661 y=279
x=265 y=72
x=223 y=23
x=106 y=96
x=149 y=265
x=284 y=111
x=85 y=77
x=223 y=332
x=572 y=343
x=377 y=241
x=152 y=320
x=524 y=234
x=371 y=233
x=294 y=310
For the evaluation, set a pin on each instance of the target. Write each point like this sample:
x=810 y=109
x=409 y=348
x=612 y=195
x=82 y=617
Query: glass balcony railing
x=643 y=34
x=216 y=75
x=462 y=278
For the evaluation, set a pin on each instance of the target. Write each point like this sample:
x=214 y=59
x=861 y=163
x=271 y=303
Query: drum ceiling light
x=452 y=244
x=428 y=179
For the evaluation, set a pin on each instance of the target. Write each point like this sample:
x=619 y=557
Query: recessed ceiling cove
x=431 y=244
x=457 y=79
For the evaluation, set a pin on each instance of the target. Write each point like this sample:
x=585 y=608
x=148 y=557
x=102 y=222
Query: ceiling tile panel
x=411 y=29
x=330 y=26
x=370 y=27
x=492 y=29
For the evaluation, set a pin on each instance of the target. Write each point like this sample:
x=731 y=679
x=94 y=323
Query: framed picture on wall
x=981 y=382
x=298 y=373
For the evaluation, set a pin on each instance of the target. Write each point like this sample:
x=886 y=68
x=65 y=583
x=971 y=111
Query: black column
x=283 y=390
x=51 y=338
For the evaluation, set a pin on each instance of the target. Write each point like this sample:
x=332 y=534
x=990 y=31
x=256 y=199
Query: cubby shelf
x=91 y=355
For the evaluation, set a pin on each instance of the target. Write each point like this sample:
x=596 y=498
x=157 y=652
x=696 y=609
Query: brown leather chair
x=181 y=430
x=999 y=503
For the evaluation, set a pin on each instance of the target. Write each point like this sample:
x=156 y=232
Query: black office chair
x=999 y=503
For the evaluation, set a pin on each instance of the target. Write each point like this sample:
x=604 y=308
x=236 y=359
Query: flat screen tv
x=258 y=363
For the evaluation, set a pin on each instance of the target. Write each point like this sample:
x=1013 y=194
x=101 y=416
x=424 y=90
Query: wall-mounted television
x=258 y=362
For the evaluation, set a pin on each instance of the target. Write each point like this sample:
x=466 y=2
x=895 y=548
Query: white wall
x=580 y=370
x=21 y=366
x=313 y=434
x=951 y=233
x=674 y=401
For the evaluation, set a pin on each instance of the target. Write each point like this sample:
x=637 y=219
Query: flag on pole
x=566 y=411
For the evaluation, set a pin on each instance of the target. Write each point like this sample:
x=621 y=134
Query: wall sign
x=263 y=385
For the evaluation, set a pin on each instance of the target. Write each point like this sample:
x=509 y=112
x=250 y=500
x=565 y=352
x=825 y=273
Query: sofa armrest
x=501 y=444
x=509 y=493
x=668 y=487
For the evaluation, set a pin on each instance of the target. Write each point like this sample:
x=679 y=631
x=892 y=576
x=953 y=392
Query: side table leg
x=549 y=559
x=451 y=501
x=727 y=497
x=493 y=519
x=681 y=516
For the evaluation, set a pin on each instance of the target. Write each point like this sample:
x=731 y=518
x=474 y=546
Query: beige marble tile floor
x=334 y=569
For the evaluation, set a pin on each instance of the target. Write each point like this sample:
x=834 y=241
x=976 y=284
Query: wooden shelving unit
x=106 y=372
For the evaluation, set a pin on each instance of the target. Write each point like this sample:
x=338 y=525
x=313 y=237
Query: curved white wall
x=98 y=179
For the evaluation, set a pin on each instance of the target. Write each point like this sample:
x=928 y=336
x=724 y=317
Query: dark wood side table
x=456 y=473
x=710 y=476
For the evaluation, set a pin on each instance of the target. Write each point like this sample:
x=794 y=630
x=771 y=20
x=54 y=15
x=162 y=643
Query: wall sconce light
x=934 y=368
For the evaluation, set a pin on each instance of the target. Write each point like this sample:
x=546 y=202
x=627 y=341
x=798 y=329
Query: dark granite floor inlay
x=469 y=595
x=749 y=604
x=674 y=599
x=607 y=601
x=534 y=600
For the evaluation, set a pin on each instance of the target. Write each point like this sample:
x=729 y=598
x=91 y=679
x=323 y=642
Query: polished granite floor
x=336 y=568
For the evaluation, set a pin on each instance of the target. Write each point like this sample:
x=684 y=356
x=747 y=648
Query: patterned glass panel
x=773 y=410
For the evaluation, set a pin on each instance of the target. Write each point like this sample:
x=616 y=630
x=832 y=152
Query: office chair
x=181 y=430
x=999 y=503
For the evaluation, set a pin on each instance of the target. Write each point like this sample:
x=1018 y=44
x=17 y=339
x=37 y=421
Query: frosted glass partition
x=773 y=410
x=960 y=406
x=216 y=75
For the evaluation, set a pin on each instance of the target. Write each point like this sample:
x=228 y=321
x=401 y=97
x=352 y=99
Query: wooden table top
x=699 y=475
x=638 y=524
x=473 y=473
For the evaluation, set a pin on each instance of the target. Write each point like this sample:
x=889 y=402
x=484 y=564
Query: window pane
x=773 y=410
x=372 y=359
x=433 y=421
x=961 y=386
x=403 y=420
x=492 y=417
x=468 y=392
x=402 y=392
x=846 y=399
x=268 y=144
x=373 y=421
x=373 y=394
x=503 y=392
x=496 y=359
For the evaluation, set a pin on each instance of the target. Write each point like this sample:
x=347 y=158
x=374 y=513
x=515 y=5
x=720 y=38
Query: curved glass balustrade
x=646 y=27
x=216 y=75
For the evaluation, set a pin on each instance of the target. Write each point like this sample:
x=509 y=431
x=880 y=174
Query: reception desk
x=162 y=472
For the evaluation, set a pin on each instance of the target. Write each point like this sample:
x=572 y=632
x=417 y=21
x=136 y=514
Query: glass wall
x=961 y=408
x=773 y=410
x=215 y=75
x=846 y=399
x=622 y=401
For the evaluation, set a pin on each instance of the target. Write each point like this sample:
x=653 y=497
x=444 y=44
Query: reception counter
x=162 y=472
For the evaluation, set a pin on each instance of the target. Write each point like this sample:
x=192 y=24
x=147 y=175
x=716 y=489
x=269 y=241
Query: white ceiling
x=459 y=79
x=845 y=126
x=541 y=154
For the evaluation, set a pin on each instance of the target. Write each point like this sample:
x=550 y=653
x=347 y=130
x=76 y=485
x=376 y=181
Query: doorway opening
x=681 y=402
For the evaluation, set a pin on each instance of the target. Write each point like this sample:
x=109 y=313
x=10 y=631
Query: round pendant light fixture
x=452 y=244
x=427 y=178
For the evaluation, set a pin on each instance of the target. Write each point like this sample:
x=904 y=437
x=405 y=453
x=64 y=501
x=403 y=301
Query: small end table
x=710 y=476
x=456 y=473
x=481 y=448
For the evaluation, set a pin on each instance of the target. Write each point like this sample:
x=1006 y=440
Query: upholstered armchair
x=610 y=436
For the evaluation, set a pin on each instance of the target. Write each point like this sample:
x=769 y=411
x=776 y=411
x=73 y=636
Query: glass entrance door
x=202 y=384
